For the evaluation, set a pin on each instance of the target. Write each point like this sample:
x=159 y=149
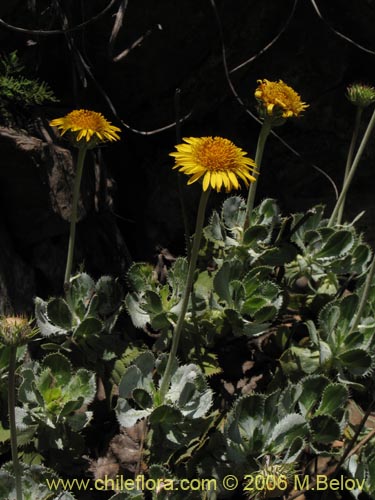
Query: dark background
x=181 y=48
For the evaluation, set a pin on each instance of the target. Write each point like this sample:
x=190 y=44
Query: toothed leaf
x=140 y=277
x=145 y=362
x=82 y=289
x=254 y=234
x=325 y=429
x=128 y=416
x=59 y=313
x=131 y=379
x=337 y=244
x=334 y=398
x=167 y=415
x=88 y=328
x=233 y=212
x=138 y=316
x=109 y=295
x=60 y=367
x=312 y=388
x=292 y=426
x=189 y=391
x=357 y=361
x=47 y=329
x=228 y=272
x=142 y=398
x=244 y=422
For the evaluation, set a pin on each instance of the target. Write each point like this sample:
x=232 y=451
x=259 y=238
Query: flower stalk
x=352 y=171
x=15 y=331
x=12 y=420
x=73 y=218
x=85 y=129
x=263 y=135
x=364 y=296
x=186 y=294
x=349 y=159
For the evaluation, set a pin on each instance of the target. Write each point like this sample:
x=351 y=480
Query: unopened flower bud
x=361 y=95
x=15 y=330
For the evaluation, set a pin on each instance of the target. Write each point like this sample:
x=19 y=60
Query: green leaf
x=59 y=313
x=82 y=290
x=335 y=397
x=233 y=212
x=131 y=379
x=245 y=420
x=215 y=231
x=229 y=271
x=325 y=429
x=360 y=258
x=142 y=398
x=109 y=294
x=166 y=414
x=152 y=303
x=312 y=388
x=288 y=399
x=82 y=385
x=47 y=329
x=87 y=328
x=299 y=359
x=146 y=363
x=338 y=244
x=189 y=391
x=177 y=275
x=266 y=313
x=279 y=255
x=268 y=211
x=292 y=426
x=138 y=316
x=140 y=276
x=357 y=361
x=60 y=367
x=294 y=450
x=254 y=234
x=128 y=416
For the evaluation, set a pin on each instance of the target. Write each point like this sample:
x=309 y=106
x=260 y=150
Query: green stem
x=364 y=296
x=186 y=294
x=263 y=134
x=12 y=420
x=73 y=218
x=352 y=170
x=349 y=159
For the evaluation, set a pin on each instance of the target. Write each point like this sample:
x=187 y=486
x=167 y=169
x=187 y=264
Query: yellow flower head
x=279 y=99
x=88 y=125
x=217 y=160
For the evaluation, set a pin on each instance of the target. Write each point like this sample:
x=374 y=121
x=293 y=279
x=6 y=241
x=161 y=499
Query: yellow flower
x=217 y=160
x=278 y=98
x=88 y=125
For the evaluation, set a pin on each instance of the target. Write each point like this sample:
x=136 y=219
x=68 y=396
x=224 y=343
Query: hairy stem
x=364 y=296
x=73 y=218
x=12 y=420
x=263 y=134
x=186 y=294
x=349 y=159
x=352 y=170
